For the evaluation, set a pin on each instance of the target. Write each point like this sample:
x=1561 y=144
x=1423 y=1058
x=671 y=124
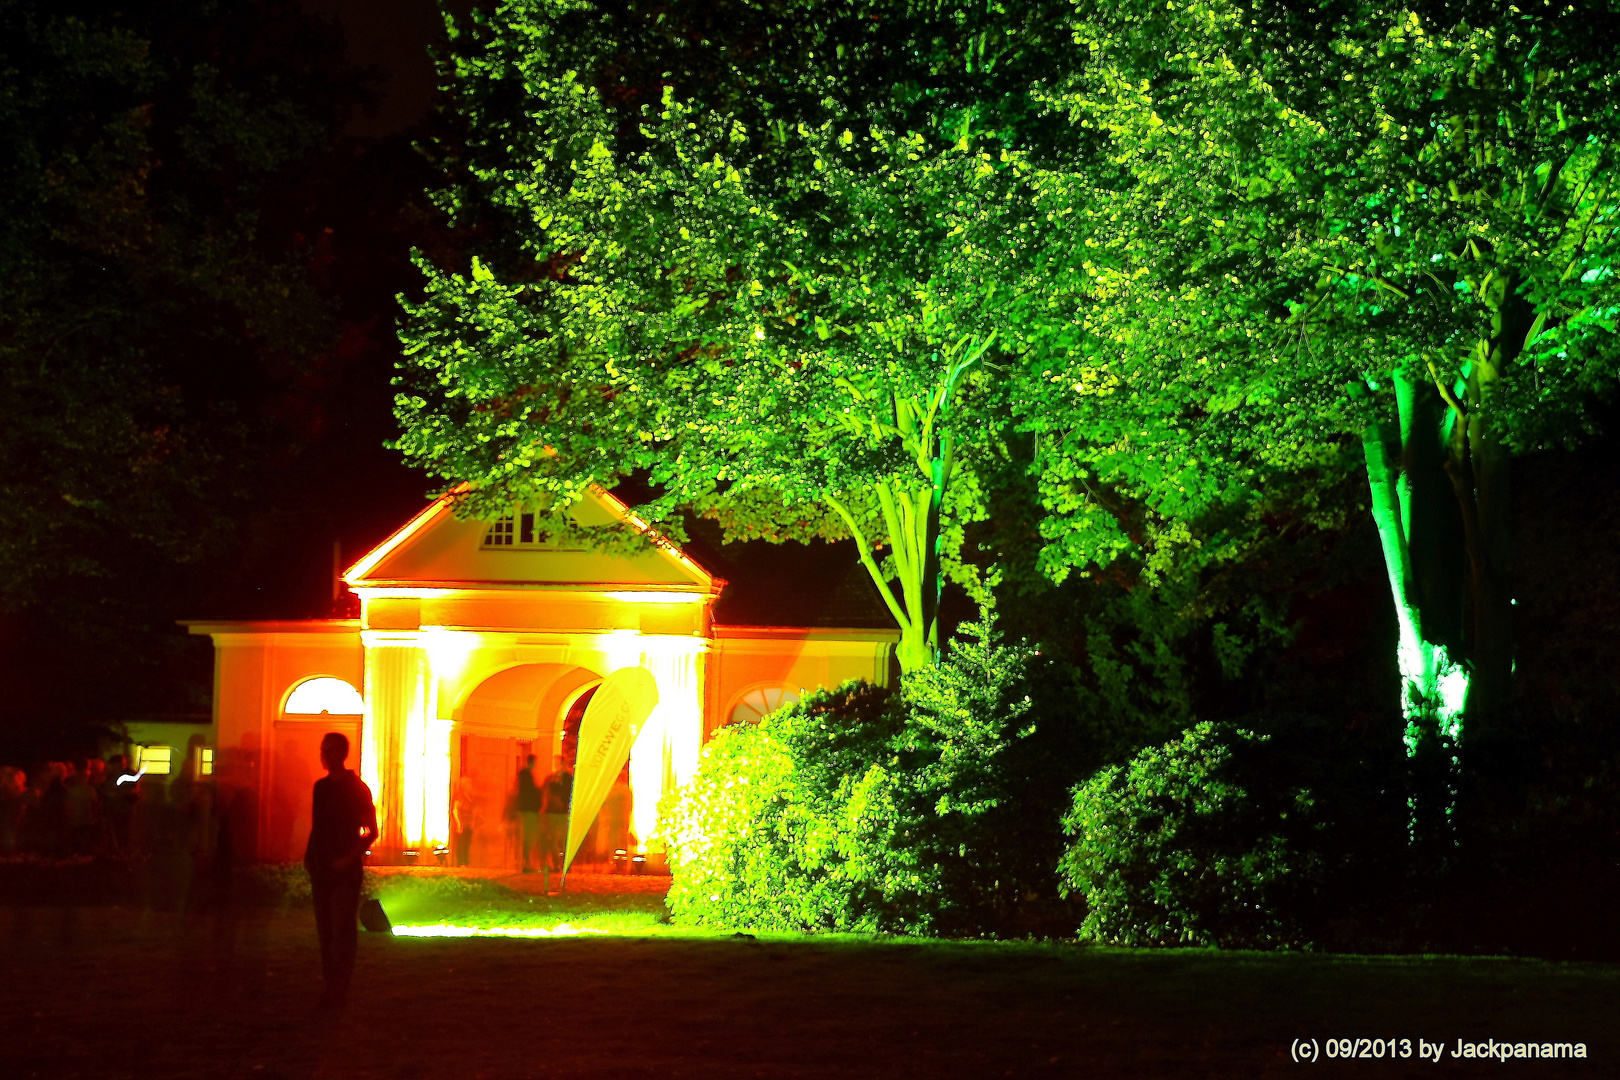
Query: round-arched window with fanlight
x=324 y=696
x=759 y=703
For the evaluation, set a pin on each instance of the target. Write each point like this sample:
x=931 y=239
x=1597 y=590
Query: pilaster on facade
x=399 y=743
x=665 y=755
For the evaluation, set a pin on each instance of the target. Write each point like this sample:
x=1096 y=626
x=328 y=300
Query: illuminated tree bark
x=1434 y=686
x=911 y=515
x=1416 y=202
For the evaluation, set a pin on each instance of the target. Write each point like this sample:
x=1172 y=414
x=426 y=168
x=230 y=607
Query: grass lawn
x=113 y=991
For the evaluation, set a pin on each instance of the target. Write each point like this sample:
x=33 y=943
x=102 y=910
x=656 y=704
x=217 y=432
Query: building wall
x=444 y=700
x=749 y=658
x=265 y=760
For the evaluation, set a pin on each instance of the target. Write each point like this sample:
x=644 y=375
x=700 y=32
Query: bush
x=414 y=889
x=998 y=742
x=273 y=884
x=287 y=884
x=929 y=811
x=1238 y=838
x=759 y=837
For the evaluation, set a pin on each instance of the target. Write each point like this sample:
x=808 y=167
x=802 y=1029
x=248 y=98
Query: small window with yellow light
x=154 y=760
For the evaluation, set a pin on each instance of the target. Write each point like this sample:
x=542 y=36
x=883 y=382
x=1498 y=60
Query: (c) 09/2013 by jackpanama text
x=1311 y=1050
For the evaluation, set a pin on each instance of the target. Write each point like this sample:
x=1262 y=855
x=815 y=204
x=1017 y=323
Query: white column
x=402 y=752
x=665 y=754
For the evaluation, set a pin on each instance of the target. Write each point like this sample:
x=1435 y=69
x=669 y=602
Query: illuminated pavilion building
x=478 y=643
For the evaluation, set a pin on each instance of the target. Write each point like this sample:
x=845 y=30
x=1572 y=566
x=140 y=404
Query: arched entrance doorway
x=529 y=709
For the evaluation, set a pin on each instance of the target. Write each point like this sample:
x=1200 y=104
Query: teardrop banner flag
x=609 y=727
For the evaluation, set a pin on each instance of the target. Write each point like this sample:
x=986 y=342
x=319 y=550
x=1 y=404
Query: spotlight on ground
x=449 y=930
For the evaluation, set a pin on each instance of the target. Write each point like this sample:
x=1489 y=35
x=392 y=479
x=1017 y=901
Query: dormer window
x=517 y=530
x=500 y=531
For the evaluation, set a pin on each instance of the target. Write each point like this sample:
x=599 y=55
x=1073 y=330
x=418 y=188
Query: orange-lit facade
x=475 y=644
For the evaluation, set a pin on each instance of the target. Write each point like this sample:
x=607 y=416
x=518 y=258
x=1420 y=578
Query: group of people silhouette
x=170 y=827
x=542 y=809
x=174 y=827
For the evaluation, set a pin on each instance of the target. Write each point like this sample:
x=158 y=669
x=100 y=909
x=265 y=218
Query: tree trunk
x=1433 y=685
x=911 y=520
x=911 y=515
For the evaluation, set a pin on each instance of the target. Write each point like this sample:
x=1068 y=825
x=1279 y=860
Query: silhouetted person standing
x=342 y=826
x=558 y=790
x=463 y=820
x=528 y=812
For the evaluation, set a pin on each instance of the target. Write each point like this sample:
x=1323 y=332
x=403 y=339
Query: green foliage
x=427 y=890
x=286 y=884
x=1242 y=839
x=1163 y=856
x=778 y=828
x=790 y=311
x=157 y=298
x=280 y=884
x=1144 y=652
x=1318 y=213
x=1389 y=191
x=998 y=742
x=931 y=811
x=1154 y=657
x=172 y=208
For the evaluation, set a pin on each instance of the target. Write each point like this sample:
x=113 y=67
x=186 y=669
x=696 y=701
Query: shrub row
x=971 y=802
x=933 y=810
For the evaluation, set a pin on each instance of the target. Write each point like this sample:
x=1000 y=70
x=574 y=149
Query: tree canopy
x=785 y=318
x=1211 y=256
x=1380 y=233
x=153 y=179
x=189 y=247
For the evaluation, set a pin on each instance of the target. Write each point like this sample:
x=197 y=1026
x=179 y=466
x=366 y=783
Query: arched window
x=759 y=703
x=324 y=696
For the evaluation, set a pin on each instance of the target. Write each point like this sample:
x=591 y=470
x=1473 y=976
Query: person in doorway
x=559 y=790
x=343 y=823
x=528 y=812
x=463 y=820
x=614 y=831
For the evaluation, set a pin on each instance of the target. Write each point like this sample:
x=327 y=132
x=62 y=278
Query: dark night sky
x=392 y=36
x=333 y=482
x=347 y=487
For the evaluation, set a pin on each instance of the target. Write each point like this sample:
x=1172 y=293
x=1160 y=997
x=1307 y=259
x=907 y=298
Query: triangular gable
x=435 y=549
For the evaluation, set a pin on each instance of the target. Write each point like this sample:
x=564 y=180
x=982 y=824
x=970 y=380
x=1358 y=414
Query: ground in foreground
x=112 y=991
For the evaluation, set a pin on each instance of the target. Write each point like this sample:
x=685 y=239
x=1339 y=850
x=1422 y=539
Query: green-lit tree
x=1371 y=230
x=792 y=325
x=155 y=277
x=168 y=336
